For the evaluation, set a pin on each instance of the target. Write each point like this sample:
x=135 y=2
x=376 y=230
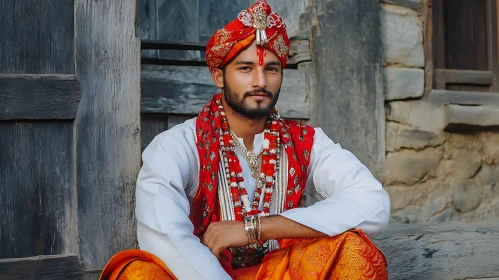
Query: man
x=221 y=195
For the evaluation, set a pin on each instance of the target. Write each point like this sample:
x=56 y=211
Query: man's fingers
x=217 y=250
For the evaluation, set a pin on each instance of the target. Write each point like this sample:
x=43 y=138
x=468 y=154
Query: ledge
x=471 y=117
x=443 y=97
x=441 y=251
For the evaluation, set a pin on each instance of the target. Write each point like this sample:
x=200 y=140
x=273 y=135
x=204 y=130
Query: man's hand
x=223 y=235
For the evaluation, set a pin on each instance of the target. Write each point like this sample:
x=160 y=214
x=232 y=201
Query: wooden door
x=69 y=135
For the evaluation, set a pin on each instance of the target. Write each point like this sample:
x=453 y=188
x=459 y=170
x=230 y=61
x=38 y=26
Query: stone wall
x=432 y=175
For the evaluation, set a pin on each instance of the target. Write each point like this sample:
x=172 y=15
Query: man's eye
x=273 y=69
x=245 y=68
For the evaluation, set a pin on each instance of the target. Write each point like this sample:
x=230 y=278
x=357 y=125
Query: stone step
x=458 y=250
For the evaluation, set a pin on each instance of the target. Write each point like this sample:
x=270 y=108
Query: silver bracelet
x=250 y=229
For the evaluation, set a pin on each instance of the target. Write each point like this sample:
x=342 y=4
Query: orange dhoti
x=350 y=255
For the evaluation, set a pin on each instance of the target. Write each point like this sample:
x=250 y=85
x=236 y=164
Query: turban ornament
x=257 y=23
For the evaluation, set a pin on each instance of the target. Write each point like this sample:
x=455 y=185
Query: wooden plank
x=450 y=76
x=441 y=251
x=41 y=268
x=428 y=44
x=185 y=90
x=174 y=120
x=413 y=4
x=151 y=126
x=492 y=34
x=175 y=62
x=349 y=101
x=215 y=14
x=37 y=37
x=442 y=97
x=172 y=45
x=108 y=128
x=438 y=38
x=466 y=38
x=36 y=187
x=90 y=275
x=148 y=16
x=39 y=96
x=178 y=20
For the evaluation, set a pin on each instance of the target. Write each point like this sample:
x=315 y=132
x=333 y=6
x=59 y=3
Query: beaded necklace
x=233 y=170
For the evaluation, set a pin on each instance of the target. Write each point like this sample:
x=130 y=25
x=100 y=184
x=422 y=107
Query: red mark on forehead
x=261 y=53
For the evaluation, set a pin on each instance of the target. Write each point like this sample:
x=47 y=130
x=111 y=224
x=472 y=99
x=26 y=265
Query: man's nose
x=260 y=81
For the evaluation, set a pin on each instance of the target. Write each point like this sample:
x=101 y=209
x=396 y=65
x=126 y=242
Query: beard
x=241 y=107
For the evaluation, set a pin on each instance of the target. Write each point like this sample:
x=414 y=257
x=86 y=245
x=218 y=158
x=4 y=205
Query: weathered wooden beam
x=349 y=99
x=41 y=268
x=450 y=76
x=443 y=97
x=39 y=96
x=173 y=62
x=471 y=118
x=185 y=90
x=167 y=45
x=107 y=126
x=413 y=4
x=441 y=251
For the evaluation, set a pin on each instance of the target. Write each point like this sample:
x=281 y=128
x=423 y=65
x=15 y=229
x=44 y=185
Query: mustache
x=259 y=92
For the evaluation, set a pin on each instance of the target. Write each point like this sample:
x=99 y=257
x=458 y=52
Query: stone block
x=472 y=115
x=462 y=165
x=488 y=210
x=435 y=204
x=491 y=147
x=403 y=83
x=488 y=175
x=402 y=36
x=459 y=142
x=409 y=215
x=408 y=166
x=418 y=114
x=445 y=216
x=466 y=197
x=402 y=136
x=400 y=196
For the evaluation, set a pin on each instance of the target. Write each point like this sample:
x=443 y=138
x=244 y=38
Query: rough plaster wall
x=431 y=175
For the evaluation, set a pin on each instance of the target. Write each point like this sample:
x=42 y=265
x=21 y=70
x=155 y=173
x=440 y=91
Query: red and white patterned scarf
x=296 y=138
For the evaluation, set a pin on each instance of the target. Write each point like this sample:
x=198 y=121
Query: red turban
x=257 y=22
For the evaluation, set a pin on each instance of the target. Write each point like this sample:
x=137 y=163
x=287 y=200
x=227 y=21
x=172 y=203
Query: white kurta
x=347 y=193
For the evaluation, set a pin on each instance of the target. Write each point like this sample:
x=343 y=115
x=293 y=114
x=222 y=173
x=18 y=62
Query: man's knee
x=143 y=270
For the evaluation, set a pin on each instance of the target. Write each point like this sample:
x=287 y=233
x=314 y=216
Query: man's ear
x=218 y=77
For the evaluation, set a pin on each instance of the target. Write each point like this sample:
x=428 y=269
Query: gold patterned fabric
x=259 y=23
x=350 y=255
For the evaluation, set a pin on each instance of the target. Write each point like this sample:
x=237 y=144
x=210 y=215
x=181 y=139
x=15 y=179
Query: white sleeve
x=354 y=198
x=164 y=229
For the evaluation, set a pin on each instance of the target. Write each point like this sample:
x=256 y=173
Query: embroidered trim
x=280 y=46
x=226 y=205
